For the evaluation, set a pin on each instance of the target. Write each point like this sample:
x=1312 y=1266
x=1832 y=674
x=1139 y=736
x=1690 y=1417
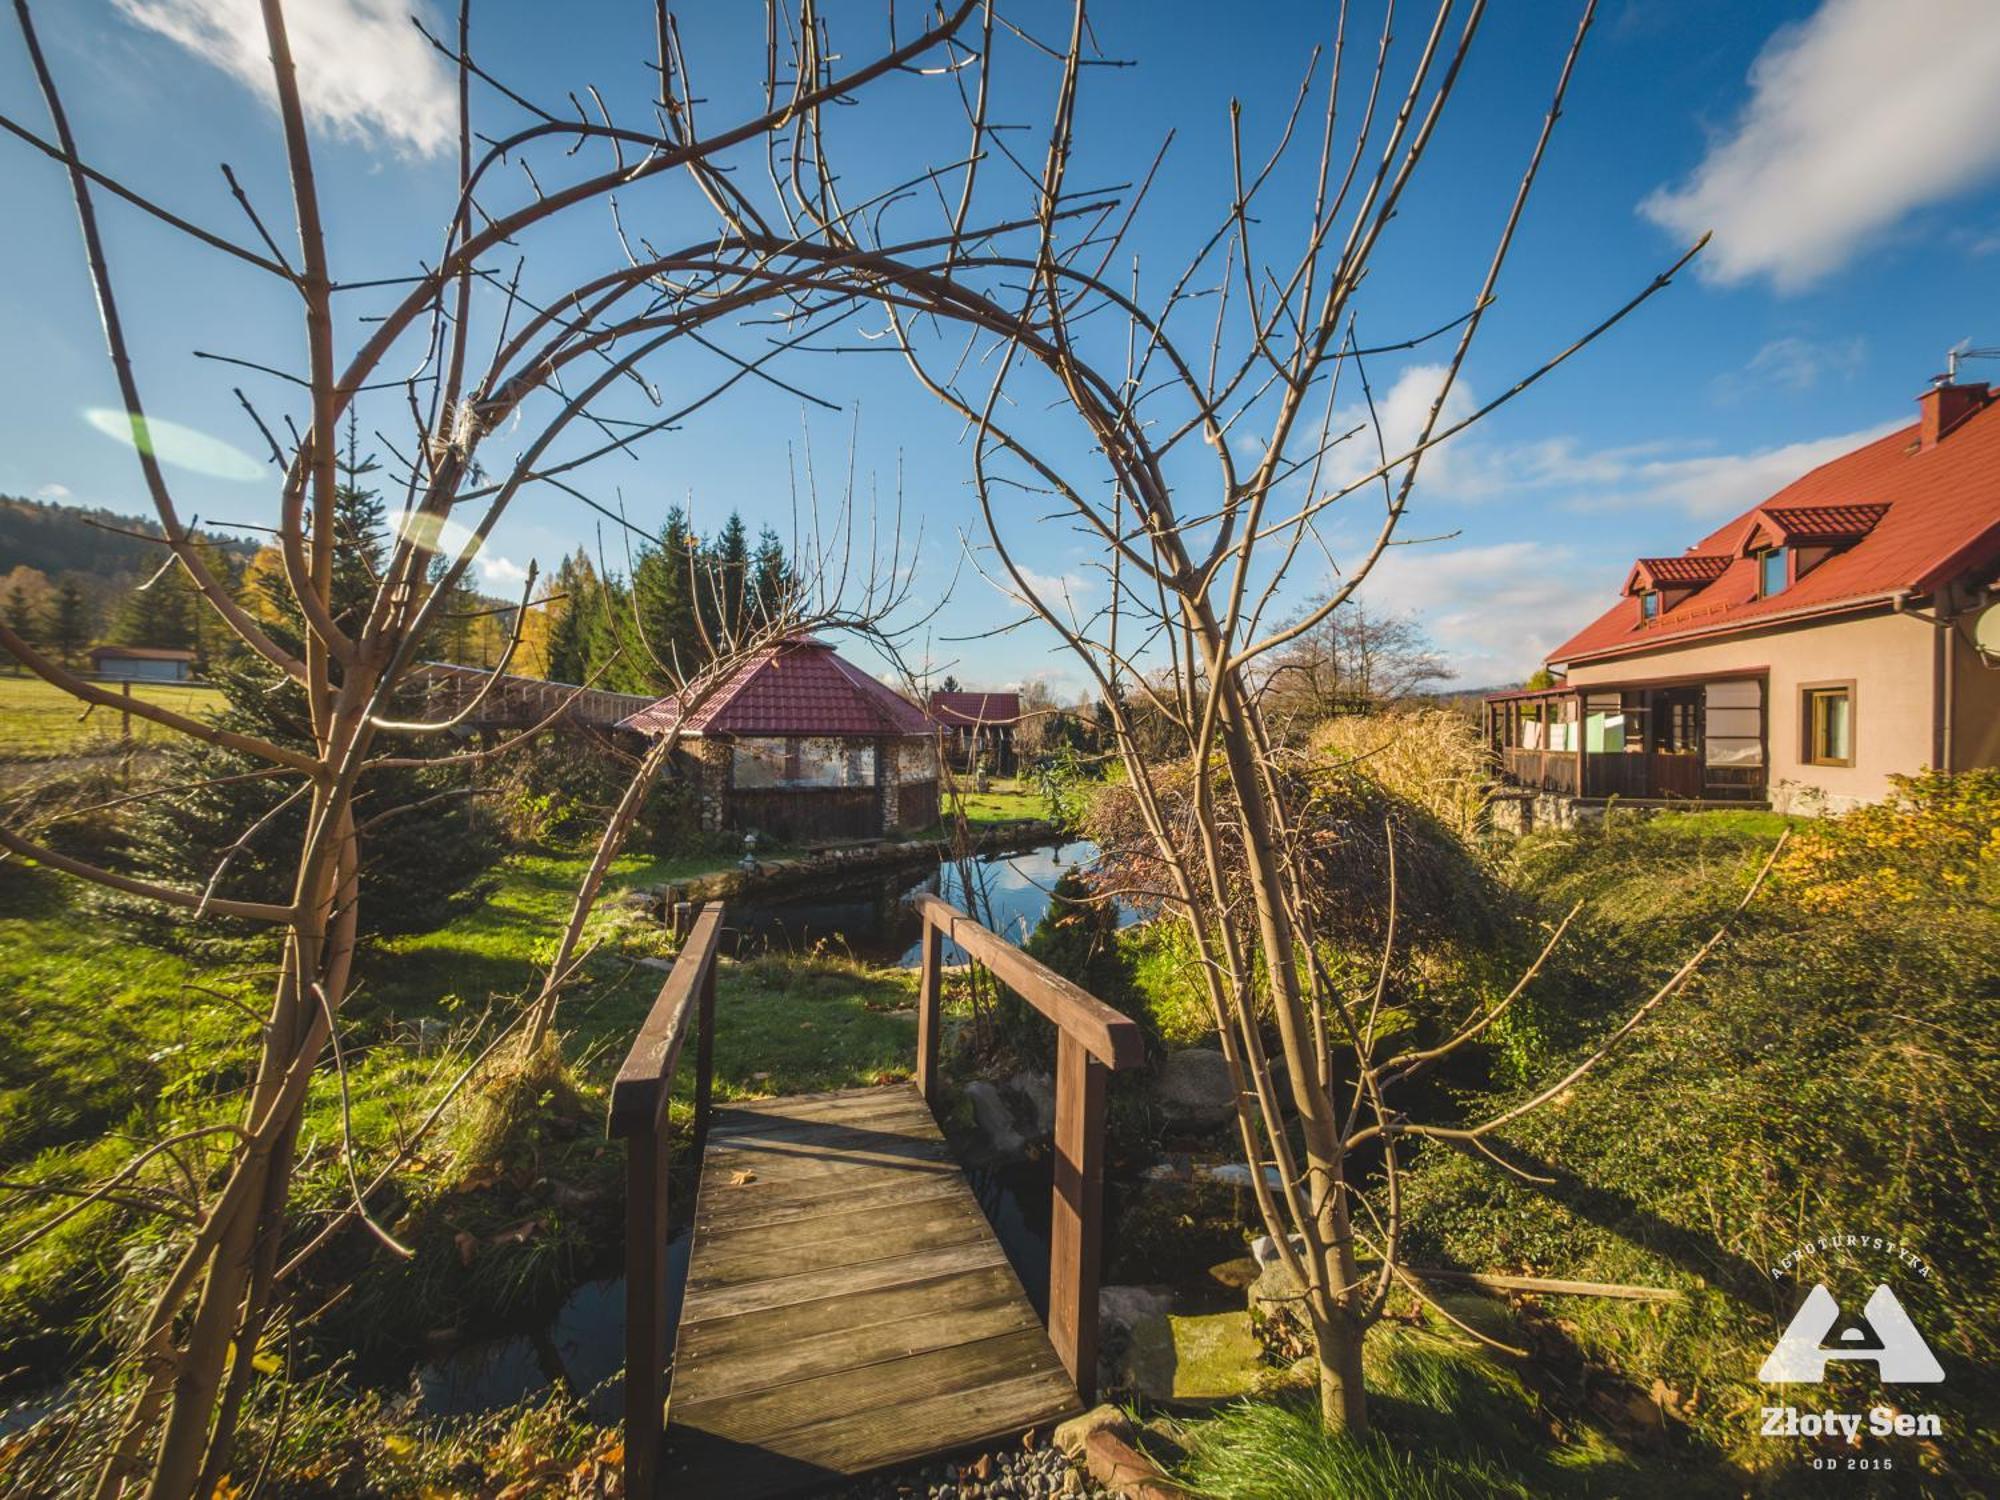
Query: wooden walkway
x=848 y=1307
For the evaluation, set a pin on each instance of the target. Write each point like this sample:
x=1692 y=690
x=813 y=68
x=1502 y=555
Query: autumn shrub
x=1833 y=1070
x=1936 y=837
x=1433 y=758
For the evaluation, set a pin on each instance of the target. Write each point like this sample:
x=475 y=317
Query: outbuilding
x=804 y=746
x=142 y=663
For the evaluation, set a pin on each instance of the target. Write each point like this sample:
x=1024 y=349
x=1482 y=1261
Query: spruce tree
x=21 y=613
x=361 y=527
x=663 y=587
x=772 y=582
x=68 y=627
x=569 y=650
x=722 y=591
x=418 y=866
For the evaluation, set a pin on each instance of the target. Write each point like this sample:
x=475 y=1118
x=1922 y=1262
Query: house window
x=1771 y=572
x=1649 y=604
x=1829 y=725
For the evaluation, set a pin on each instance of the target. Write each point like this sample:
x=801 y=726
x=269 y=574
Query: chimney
x=1945 y=405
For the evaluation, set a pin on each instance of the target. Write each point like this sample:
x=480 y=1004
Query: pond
x=871 y=918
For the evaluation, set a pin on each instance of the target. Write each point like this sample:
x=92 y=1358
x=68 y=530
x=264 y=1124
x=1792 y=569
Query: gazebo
x=804 y=746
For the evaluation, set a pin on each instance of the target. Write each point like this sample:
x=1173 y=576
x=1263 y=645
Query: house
x=804 y=746
x=142 y=663
x=1802 y=653
x=978 y=726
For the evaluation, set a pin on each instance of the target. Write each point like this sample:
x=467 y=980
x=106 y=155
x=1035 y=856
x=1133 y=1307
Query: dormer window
x=1649 y=605
x=1773 y=571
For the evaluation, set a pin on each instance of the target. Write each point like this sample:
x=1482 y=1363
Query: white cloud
x=1493 y=611
x=1796 y=364
x=364 y=72
x=1862 y=113
x=500 y=573
x=53 y=493
x=1561 y=471
x=1061 y=592
x=1401 y=412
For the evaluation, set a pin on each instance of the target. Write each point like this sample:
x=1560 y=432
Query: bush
x=1833 y=1069
x=1431 y=757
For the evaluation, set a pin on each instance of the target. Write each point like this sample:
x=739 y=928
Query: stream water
x=870 y=917
x=582 y=1347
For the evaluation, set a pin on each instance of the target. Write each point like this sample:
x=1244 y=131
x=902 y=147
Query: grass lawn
x=38 y=719
x=114 y=1045
x=1004 y=801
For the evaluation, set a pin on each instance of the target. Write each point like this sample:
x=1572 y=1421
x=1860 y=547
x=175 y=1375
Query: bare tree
x=1348 y=662
x=1246 y=355
x=553 y=358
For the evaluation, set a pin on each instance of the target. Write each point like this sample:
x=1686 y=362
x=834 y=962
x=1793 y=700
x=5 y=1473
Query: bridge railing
x=1092 y=1041
x=639 y=1097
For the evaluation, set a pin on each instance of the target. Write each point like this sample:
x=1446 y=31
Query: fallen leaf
x=520 y=1234
x=741 y=1176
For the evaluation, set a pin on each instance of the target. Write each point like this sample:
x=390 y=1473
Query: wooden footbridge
x=848 y=1307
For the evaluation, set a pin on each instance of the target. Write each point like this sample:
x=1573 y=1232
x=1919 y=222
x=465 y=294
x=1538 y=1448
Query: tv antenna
x=1964 y=350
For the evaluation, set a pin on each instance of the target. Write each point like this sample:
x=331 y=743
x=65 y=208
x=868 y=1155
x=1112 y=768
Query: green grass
x=38 y=720
x=1450 y=1421
x=1004 y=801
x=111 y=1046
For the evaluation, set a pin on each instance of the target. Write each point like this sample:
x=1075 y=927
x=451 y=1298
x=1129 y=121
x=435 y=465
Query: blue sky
x=1846 y=154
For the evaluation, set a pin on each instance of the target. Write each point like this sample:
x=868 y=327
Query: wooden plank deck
x=848 y=1307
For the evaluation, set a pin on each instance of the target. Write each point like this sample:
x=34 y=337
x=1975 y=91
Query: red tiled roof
x=1821 y=523
x=975 y=708
x=795 y=687
x=1936 y=516
x=1690 y=567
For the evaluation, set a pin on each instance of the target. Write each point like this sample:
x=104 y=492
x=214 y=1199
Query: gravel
x=1010 y=1473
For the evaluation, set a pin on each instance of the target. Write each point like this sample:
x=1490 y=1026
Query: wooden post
x=1076 y=1225
x=645 y=1305
x=930 y=1011
x=704 y=1058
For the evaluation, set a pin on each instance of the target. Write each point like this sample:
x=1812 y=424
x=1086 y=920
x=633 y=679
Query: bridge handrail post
x=638 y=1116
x=1092 y=1041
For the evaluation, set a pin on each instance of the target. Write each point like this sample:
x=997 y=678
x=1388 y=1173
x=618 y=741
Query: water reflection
x=871 y=918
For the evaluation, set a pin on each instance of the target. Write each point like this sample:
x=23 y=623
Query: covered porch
x=1678 y=739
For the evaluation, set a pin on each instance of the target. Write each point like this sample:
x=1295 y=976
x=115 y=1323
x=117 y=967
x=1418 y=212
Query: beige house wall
x=1975 y=708
x=1892 y=661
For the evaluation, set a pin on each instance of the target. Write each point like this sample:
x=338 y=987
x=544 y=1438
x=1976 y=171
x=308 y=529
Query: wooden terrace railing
x=639 y=1117
x=1092 y=1041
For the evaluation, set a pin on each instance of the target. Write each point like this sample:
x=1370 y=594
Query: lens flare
x=171 y=443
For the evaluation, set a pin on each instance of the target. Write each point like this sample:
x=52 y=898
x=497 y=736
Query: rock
x=1238 y=1274
x=1072 y=1436
x=1195 y=1088
x=1264 y=1249
x=1037 y=1095
x=1235 y=1174
x=1277 y=1313
x=1216 y=1356
x=1135 y=1348
x=994 y=1119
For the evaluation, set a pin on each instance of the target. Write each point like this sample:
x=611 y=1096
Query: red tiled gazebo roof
x=795 y=687
x=976 y=709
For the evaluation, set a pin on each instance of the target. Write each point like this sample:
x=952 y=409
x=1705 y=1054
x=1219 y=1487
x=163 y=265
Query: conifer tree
x=722 y=591
x=772 y=582
x=68 y=628
x=663 y=587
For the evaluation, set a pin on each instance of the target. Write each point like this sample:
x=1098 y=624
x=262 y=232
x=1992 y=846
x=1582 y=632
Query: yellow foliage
x=1936 y=837
x=1432 y=757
